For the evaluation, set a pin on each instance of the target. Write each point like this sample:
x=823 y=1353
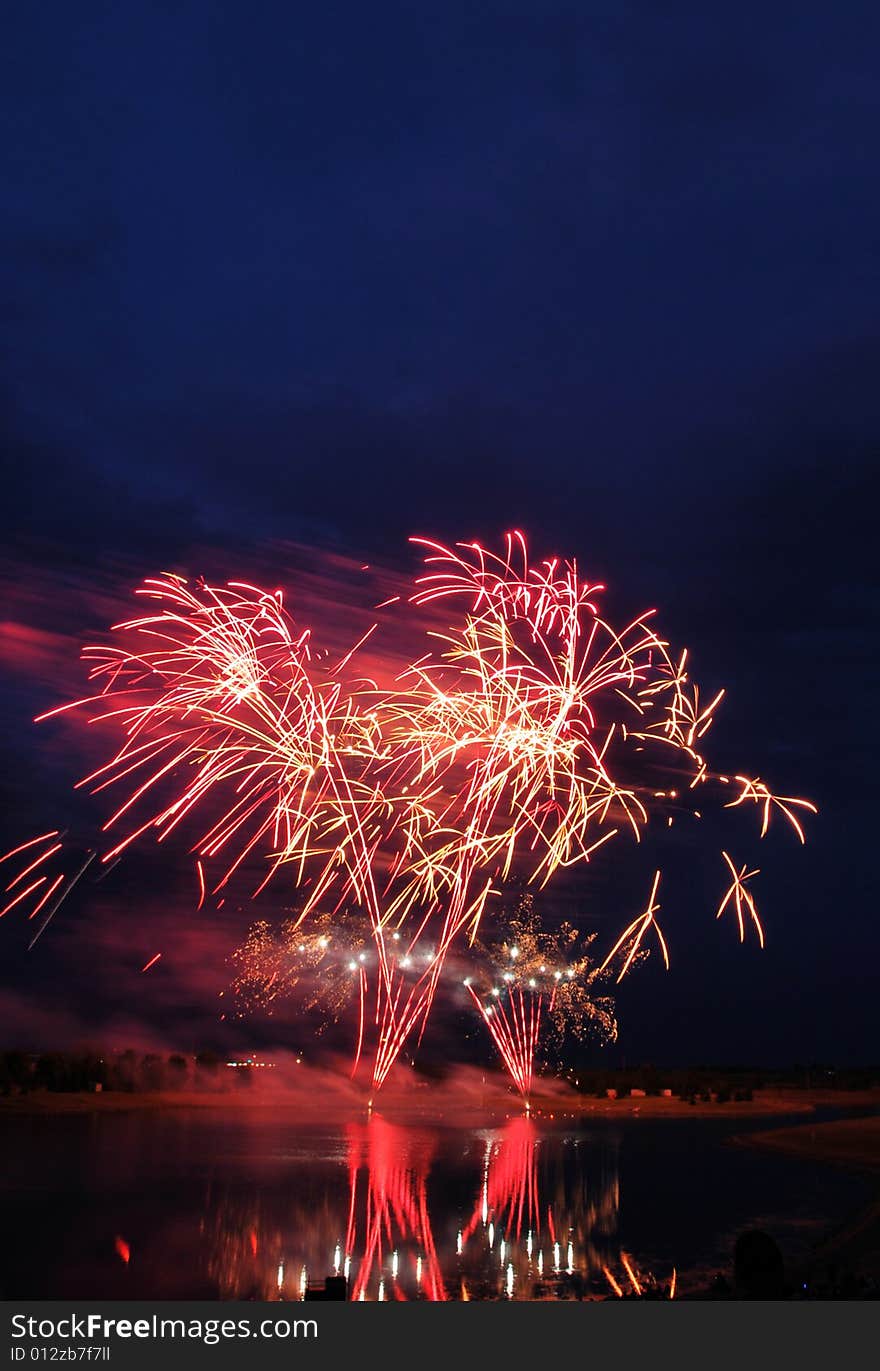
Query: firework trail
x=519 y=740
x=535 y=986
x=630 y=939
x=743 y=900
x=53 y=841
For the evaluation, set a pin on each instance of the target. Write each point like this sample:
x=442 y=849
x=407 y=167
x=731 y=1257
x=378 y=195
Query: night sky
x=286 y=276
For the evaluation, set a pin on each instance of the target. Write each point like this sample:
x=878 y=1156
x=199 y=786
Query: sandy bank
x=844 y=1142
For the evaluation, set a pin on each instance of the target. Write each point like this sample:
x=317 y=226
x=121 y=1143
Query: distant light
x=514 y=952
x=352 y=966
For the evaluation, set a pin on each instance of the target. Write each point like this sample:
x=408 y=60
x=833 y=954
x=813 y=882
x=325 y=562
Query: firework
x=523 y=728
x=517 y=741
x=630 y=939
x=321 y=967
x=742 y=898
x=534 y=987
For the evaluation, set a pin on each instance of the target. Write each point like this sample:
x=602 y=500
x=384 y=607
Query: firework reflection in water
x=542 y=1223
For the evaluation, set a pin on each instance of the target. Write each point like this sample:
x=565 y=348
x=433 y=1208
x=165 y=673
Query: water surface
x=206 y=1204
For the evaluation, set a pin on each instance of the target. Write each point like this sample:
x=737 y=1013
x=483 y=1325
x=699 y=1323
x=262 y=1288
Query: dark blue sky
x=608 y=272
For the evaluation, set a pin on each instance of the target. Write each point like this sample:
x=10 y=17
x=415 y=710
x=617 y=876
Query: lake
x=186 y=1203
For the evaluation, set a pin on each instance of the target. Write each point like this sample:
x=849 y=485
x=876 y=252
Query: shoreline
x=444 y=1107
x=851 y=1144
